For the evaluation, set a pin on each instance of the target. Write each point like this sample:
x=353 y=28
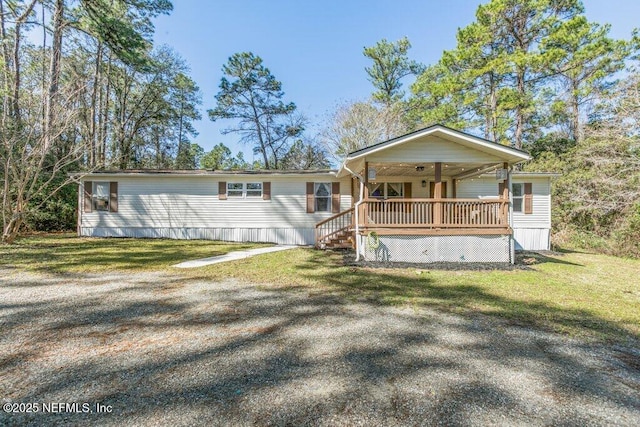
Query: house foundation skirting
x=281 y=236
x=429 y=249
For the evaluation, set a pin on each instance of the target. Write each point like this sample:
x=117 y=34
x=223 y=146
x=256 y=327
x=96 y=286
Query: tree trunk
x=104 y=126
x=10 y=231
x=180 y=156
x=6 y=66
x=520 y=119
x=575 y=130
x=94 y=107
x=54 y=70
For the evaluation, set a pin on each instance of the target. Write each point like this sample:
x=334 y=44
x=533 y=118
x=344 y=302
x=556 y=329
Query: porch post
x=365 y=205
x=505 y=189
x=437 y=194
x=505 y=195
x=366 y=180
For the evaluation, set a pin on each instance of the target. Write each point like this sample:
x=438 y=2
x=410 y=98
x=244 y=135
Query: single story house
x=436 y=194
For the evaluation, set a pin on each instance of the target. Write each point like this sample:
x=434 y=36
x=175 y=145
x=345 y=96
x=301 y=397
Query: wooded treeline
x=84 y=88
x=538 y=76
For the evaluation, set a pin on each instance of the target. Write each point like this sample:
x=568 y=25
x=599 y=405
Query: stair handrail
x=333 y=230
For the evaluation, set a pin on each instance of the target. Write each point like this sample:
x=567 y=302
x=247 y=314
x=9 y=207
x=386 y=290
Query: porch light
x=424 y=183
x=419 y=168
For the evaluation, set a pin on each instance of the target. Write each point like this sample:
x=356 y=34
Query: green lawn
x=587 y=295
x=67 y=253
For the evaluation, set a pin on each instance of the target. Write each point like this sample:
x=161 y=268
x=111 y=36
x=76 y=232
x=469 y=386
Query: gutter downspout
x=356 y=208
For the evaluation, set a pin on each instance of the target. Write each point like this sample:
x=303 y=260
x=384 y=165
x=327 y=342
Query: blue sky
x=315 y=47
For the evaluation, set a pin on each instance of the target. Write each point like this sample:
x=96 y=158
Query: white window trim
x=514 y=197
x=385 y=190
x=316 y=185
x=244 y=190
x=94 y=196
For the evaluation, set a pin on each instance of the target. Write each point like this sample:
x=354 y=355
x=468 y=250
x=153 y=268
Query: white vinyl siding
x=532 y=239
x=530 y=231
x=163 y=205
x=541 y=197
x=432 y=149
x=488 y=188
x=474 y=188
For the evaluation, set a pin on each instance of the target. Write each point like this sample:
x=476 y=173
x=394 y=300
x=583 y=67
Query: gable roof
x=435 y=129
x=502 y=153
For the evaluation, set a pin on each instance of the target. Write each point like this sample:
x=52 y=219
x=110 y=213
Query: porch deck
x=419 y=217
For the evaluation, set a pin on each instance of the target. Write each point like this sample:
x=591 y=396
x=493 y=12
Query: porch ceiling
x=449 y=169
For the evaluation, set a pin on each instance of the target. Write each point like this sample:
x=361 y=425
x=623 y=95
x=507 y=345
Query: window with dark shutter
x=311 y=202
x=335 y=197
x=113 y=196
x=266 y=191
x=100 y=196
x=528 y=198
x=88 y=194
x=222 y=190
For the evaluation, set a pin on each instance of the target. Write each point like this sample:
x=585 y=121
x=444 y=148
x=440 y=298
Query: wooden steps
x=341 y=240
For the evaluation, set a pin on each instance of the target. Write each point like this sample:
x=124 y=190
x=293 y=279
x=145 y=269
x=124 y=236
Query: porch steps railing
x=435 y=213
x=336 y=232
x=409 y=216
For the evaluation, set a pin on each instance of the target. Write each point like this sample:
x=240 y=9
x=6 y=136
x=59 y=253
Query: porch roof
x=435 y=143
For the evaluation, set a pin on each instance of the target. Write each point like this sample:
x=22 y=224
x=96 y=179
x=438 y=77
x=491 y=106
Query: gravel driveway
x=161 y=350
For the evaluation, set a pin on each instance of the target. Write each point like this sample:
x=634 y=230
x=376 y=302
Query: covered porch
x=417 y=197
x=426 y=201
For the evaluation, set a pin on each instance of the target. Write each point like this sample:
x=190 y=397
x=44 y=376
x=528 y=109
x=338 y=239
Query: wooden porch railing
x=434 y=213
x=330 y=227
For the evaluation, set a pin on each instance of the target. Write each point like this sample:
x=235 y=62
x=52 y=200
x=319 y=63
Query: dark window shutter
x=335 y=197
x=222 y=190
x=311 y=202
x=528 y=198
x=113 y=196
x=88 y=190
x=407 y=190
x=500 y=189
x=266 y=191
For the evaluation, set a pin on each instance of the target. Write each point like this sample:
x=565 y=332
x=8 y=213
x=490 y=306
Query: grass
x=580 y=294
x=66 y=253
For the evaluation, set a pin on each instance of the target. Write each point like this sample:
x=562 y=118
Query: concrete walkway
x=232 y=256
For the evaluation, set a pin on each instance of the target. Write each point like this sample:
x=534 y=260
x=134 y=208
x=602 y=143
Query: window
x=244 y=190
x=100 y=196
x=395 y=189
x=518 y=197
x=322 y=192
x=254 y=189
x=376 y=190
x=235 y=189
x=387 y=190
